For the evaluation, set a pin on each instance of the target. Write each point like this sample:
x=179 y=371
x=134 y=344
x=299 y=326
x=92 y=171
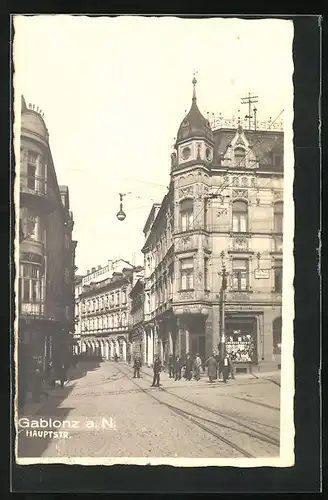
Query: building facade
x=46 y=250
x=137 y=334
x=224 y=209
x=103 y=309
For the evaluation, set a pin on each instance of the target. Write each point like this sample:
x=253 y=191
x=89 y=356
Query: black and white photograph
x=154 y=240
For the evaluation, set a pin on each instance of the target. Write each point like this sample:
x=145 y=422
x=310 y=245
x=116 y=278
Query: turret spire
x=194 y=81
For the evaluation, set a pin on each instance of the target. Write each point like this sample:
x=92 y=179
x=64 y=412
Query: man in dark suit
x=157 y=368
x=178 y=368
x=136 y=367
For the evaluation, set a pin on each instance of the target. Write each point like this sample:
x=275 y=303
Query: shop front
x=241 y=341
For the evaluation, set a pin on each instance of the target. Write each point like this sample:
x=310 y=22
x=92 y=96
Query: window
x=276 y=331
x=66 y=241
x=187 y=274
x=240 y=157
x=31 y=227
x=124 y=296
x=187 y=215
x=278 y=217
x=66 y=275
x=117 y=298
x=124 y=319
x=30 y=283
x=239 y=216
x=278 y=276
x=31 y=176
x=240 y=274
x=206 y=284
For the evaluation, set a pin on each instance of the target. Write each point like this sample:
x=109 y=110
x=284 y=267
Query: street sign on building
x=262 y=274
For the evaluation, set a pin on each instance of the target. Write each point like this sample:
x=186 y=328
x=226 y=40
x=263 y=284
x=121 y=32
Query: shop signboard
x=262 y=274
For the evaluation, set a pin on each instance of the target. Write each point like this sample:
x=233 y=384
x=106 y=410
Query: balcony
x=31 y=251
x=33 y=190
x=34 y=309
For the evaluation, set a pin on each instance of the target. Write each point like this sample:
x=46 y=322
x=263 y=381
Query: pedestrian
x=188 y=370
x=225 y=368
x=116 y=357
x=212 y=367
x=231 y=368
x=157 y=368
x=177 y=368
x=219 y=362
x=171 y=366
x=129 y=358
x=197 y=366
x=136 y=367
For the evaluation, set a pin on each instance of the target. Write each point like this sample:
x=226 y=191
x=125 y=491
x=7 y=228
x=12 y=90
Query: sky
x=114 y=92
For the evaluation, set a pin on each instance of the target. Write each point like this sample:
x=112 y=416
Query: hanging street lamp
x=121 y=215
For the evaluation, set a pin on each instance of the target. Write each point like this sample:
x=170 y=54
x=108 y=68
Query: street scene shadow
x=82 y=367
x=31 y=444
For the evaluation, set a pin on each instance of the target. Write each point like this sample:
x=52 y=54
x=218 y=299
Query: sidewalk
x=203 y=382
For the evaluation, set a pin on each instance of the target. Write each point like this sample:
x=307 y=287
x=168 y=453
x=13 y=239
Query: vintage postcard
x=154 y=243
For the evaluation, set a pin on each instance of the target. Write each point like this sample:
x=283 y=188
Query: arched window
x=240 y=157
x=276 y=332
x=239 y=216
x=278 y=217
x=186 y=214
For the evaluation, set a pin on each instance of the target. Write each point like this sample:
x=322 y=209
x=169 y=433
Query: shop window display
x=240 y=347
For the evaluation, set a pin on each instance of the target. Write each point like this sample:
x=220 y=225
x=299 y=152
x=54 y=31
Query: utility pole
x=222 y=311
x=250 y=99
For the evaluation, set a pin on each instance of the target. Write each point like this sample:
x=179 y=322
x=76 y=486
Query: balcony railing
x=33 y=185
x=35 y=309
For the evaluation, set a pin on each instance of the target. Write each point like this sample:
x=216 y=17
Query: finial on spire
x=194 y=81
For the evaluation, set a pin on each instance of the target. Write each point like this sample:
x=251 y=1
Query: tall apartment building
x=224 y=207
x=103 y=308
x=46 y=251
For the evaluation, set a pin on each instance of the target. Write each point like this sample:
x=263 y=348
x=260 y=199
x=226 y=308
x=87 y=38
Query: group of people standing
x=188 y=367
x=191 y=367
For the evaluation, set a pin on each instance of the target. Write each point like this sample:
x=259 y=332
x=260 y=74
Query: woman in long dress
x=212 y=368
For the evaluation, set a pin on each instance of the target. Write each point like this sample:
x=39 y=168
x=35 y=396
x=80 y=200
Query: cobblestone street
x=107 y=413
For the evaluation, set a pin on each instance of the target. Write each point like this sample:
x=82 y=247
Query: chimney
x=88 y=271
x=99 y=267
x=93 y=269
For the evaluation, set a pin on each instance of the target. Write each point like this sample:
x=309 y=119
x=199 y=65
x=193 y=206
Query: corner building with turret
x=223 y=209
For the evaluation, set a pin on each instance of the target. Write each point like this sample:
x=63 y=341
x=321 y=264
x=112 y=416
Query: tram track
x=257 y=434
x=194 y=418
x=246 y=429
